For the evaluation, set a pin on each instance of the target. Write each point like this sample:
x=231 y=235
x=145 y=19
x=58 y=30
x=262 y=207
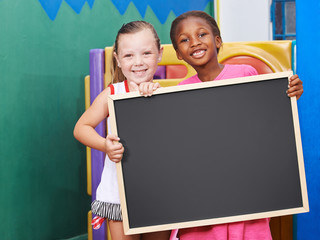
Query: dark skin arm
x=295 y=87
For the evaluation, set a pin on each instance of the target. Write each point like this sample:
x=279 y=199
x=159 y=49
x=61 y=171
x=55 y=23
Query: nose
x=138 y=60
x=195 y=42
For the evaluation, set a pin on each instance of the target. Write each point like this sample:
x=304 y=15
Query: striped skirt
x=110 y=211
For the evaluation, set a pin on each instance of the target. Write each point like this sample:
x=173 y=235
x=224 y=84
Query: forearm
x=88 y=136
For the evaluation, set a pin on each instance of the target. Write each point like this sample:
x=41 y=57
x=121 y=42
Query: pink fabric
x=229 y=71
x=247 y=230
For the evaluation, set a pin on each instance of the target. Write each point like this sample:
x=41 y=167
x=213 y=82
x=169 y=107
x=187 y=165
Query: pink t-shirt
x=246 y=230
x=229 y=71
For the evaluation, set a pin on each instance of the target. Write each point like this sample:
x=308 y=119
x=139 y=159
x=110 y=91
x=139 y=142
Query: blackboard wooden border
x=224 y=219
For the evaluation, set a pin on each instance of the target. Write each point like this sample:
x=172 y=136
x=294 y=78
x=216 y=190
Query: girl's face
x=196 y=43
x=138 y=56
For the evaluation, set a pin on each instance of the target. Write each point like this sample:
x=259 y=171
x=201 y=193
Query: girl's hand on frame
x=114 y=148
x=295 y=87
x=146 y=88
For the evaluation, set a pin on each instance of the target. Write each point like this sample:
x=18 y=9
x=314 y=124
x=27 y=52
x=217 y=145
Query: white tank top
x=107 y=190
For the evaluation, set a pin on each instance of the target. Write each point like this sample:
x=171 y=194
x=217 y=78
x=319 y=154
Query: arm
x=85 y=133
x=295 y=87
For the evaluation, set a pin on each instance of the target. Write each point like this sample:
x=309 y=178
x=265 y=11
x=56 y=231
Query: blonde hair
x=131 y=27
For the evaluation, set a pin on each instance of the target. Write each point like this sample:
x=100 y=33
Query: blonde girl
x=136 y=54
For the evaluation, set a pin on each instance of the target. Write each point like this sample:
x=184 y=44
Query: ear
x=116 y=57
x=160 y=54
x=218 y=41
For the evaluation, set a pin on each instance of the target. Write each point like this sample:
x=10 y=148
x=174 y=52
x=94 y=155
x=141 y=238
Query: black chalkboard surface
x=209 y=153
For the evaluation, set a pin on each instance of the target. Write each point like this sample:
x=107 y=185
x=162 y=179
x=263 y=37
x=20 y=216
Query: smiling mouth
x=140 y=72
x=198 y=53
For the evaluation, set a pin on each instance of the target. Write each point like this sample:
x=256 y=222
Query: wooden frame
x=257 y=130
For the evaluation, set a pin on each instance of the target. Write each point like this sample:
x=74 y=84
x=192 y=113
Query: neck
x=209 y=72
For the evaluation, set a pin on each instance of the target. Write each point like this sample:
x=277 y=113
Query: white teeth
x=197 y=53
x=139 y=72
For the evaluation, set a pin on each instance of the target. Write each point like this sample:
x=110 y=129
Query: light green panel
x=42 y=68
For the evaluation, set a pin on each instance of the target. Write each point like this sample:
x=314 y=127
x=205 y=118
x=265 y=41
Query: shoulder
x=111 y=89
x=103 y=95
x=249 y=70
x=242 y=69
x=120 y=87
x=236 y=71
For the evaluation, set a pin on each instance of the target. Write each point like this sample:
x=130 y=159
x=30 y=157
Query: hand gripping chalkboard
x=209 y=153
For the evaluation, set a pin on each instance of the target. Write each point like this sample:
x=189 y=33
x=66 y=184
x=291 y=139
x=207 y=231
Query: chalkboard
x=209 y=153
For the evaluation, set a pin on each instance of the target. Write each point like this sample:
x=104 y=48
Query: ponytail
x=116 y=73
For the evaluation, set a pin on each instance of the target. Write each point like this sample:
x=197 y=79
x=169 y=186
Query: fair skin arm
x=84 y=130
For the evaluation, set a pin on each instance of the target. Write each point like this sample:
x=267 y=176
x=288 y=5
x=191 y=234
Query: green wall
x=42 y=68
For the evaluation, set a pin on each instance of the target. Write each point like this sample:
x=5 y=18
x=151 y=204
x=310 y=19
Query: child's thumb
x=112 y=137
